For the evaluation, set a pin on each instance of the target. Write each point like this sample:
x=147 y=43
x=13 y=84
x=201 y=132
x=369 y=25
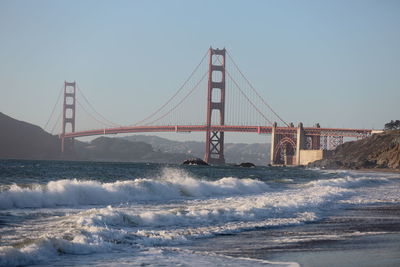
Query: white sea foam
x=371 y=187
x=101 y=229
x=385 y=193
x=135 y=257
x=172 y=184
x=202 y=209
x=348 y=181
x=176 y=223
x=213 y=211
x=183 y=257
x=47 y=248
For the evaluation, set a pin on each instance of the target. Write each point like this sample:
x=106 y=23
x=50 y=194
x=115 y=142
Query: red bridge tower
x=214 y=152
x=68 y=110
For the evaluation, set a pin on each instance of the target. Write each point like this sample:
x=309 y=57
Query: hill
x=377 y=151
x=22 y=140
x=234 y=152
x=122 y=150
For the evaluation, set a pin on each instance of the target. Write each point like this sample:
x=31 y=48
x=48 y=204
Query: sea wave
x=172 y=184
x=47 y=248
x=46 y=251
x=103 y=229
x=203 y=213
x=204 y=209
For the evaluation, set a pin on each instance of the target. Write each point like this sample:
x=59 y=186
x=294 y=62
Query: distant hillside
x=169 y=146
x=122 y=150
x=234 y=153
x=377 y=151
x=256 y=153
x=22 y=140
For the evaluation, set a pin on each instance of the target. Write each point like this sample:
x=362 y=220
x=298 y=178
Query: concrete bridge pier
x=283 y=145
x=300 y=142
x=289 y=146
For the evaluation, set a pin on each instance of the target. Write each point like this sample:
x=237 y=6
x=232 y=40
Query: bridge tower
x=214 y=151
x=68 y=110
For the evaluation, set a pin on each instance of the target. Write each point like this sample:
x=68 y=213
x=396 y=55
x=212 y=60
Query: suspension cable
x=187 y=95
x=108 y=122
x=252 y=87
x=176 y=93
x=180 y=102
x=54 y=108
x=248 y=100
x=55 y=125
x=91 y=115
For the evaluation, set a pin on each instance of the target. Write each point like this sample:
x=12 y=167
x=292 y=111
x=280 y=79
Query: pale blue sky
x=332 y=62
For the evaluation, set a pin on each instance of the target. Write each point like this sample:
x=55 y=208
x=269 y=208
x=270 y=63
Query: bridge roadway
x=310 y=131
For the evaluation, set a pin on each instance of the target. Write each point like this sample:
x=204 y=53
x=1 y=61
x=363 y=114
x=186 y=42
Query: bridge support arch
x=286 y=144
x=283 y=146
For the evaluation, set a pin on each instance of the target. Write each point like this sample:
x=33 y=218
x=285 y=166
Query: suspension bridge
x=215 y=98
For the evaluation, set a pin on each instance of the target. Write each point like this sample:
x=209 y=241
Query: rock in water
x=246 y=165
x=195 y=161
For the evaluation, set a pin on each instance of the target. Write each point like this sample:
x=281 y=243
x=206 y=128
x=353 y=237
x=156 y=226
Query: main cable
x=248 y=100
x=55 y=125
x=252 y=87
x=91 y=115
x=176 y=93
x=108 y=122
x=180 y=102
x=54 y=108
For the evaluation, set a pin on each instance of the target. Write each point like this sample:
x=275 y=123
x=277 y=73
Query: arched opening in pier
x=285 y=153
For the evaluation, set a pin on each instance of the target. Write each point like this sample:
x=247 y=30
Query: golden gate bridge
x=215 y=98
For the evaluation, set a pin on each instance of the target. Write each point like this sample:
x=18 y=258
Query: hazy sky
x=332 y=62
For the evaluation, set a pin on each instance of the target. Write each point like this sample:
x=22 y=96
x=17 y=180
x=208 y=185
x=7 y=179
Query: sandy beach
x=367 y=236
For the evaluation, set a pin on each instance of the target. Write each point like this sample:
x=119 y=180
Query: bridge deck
x=223 y=128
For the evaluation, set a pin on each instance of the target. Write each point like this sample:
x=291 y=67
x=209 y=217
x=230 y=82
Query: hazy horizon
x=336 y=63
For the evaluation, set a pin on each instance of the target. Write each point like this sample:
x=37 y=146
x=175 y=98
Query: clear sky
x=332 y=62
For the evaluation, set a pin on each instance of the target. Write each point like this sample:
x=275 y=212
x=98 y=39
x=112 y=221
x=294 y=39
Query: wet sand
x=368 y=236
x=379 y=170
x=360 y=236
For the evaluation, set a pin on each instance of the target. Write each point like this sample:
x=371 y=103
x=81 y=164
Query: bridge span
x=287 y=142
x=284 y=139
x=309 y=131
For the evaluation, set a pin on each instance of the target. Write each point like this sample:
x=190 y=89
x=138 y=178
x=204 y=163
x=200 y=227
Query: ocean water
x=55 y=213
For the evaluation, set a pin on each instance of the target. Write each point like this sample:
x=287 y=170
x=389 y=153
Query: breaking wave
x=205 y=209
x=173 y=184
x=102 y=229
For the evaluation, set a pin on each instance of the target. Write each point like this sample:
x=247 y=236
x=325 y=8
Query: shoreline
x=366 y=251
x=376 y=170
x=356 y=236
x=379 y=170
x=370 y=237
